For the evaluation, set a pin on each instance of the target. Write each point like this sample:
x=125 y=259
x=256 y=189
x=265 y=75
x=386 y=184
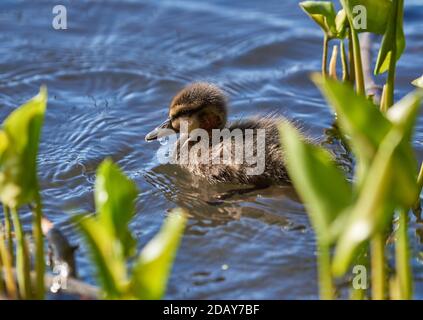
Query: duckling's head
x=200 y=105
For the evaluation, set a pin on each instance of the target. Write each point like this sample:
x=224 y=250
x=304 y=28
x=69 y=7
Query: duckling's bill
x=165 y=129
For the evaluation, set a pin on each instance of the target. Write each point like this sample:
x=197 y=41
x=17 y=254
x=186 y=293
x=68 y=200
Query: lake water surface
x=111 y=76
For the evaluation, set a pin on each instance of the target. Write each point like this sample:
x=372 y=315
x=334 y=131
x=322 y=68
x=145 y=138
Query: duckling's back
x=262 y=162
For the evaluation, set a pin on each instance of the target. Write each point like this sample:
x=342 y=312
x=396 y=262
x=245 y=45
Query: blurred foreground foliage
x=110 y=242
x=353 y=219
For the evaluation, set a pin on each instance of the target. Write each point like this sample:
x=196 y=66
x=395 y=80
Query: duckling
x=204 y=106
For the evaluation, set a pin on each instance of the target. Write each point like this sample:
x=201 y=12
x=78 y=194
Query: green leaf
x=366 y=127
x=110 y=240
x=373 y=208
x=323 y=13
x=418 y=82
x=321 y=185
x=404 y=113
x=115 y=196
x=151 y=271
x=341 y=23
x=106 y=254
x=108 y=234
x=359 y=119
x=377 y=13
x=390 y=183
x=403 y=116
x=19 y=141
x=393 y=39
x=4 y=142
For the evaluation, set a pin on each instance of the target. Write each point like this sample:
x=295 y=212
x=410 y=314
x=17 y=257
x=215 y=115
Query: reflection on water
x=201 y=202
x=110 y=78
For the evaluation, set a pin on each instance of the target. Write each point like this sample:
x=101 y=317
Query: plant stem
x=22 y=262
x=359 y=77
x=325 y=55
x=324 y=269
x=362 y=259
x=9 y=278
x=332 y=63
x=345 y=74
x=420 y=179
x=417 y=207
x=377 y=245
x=383 y=101
x=402 y=257
x=390 y=84
x=8 y=229
x=2 y=291
x=351 y=57
x=39 y=247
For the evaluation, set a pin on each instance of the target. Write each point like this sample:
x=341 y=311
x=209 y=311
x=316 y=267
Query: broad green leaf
x=151 y=271
x=403 y=115
x=373 y=208
x=341 y=23
x=393 y=38
x=19 y=141
x=374 y=13
x=106 y=254
x=115 y=203
x=390 y=183
x=404 y=112
x=418 y=82
x=323 y=13
x=108 y=234
x=4 y=142
x=321 y=185
x=359 y=119
x=366 y=127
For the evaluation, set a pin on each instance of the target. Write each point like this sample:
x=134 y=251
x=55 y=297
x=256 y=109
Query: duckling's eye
x=189 y=112
x=182 y=114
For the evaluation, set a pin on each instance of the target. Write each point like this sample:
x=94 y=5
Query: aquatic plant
x=350 y=215
x=19 y=139
x=391 y=49
x=111 y=242
x=331 y=23
x=356 y=217
x=383 y=17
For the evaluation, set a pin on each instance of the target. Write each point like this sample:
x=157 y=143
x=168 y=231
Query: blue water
x=111 y=76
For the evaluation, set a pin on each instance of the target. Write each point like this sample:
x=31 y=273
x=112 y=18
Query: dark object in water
x=61 y=253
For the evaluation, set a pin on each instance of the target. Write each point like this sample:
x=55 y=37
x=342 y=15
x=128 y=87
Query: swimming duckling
x=204 y=106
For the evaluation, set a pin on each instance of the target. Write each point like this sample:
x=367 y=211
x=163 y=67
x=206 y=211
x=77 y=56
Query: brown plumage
x=203 y=105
